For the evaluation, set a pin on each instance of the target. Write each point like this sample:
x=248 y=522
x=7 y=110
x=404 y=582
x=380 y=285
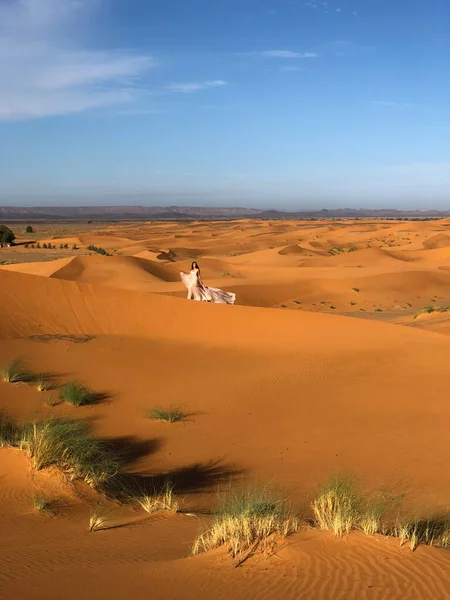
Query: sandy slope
x=282 y=396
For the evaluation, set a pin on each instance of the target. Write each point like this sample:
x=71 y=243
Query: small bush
x=355 y=289
x=38 y=245
x=16 y=372
x=76 y=394
x=29 y=229
x=244 y=523
x=44 y=245
x=98 y=250
x=74 y=247
x=26 y=245
x=170 y=415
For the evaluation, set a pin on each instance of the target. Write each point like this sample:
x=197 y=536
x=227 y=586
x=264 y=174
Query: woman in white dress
x=197 y=290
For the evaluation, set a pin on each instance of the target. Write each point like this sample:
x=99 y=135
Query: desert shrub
x=16 y=372
x=38 y=245
x=44 y=245
x=245 y=522
x=29 y=229
x=170 y=415
x=26 y=245
x=76 y=394
x=74 y=247
x=6 y=235
x=67 y=444
x=101 y=251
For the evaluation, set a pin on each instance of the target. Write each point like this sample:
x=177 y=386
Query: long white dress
x=198 y=291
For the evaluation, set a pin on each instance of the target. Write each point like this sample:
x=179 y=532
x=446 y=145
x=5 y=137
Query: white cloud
x=290 y=69
x=287 y=54
x=188 y=88
x=45 y=70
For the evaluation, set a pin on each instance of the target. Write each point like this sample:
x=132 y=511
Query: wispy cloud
x=190 y=87
x=288 y=54
x=45 y=70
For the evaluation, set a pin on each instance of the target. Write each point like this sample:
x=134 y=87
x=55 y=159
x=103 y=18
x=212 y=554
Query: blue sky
x=267 y=103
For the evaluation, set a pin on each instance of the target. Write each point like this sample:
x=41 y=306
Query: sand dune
x=275 y=395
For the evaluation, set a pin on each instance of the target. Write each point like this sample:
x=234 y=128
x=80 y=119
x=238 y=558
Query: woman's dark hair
x=195 y=266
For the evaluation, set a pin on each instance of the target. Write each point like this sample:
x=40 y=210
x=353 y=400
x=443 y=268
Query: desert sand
x=327 y=363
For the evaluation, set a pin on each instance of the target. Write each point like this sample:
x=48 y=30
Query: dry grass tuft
x=336 y=507
x=160 y=500
x=430 y=531
x=98 y=518
x=247 y=522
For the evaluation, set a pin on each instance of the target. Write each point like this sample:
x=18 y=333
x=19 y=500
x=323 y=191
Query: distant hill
x=147 y=213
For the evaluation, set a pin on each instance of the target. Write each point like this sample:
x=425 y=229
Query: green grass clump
x=67 y=444
x=76 y=394
x=16 y=372
x=43 y=505
x=9 y=431
x=246 y=523
x=169 y=415
x=336 y=506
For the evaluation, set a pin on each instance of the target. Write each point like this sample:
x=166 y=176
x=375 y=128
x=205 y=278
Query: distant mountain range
x=147 y=213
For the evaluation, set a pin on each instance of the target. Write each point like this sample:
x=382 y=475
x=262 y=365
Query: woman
x=197 y=290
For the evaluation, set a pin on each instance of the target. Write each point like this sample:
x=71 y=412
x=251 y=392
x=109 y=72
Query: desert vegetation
x=173 y=414
x=247 y=522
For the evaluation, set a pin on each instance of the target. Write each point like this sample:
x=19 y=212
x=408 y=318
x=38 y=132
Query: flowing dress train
x=197 y=290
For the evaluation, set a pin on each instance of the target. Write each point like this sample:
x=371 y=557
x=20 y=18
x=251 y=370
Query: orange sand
x=287 y=396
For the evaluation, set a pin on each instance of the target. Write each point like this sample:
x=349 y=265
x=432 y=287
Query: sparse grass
x=245 y=523
x=51 y=402
x=161 y=499
x=16 y=372
x=169 y=415
x=43 y=505
x=431 y=531
x=76 y=394
x=66 y=444
x=42 y=382
x=355 y=289
x=431 y=309
x=98 y=518
x=9 y=431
